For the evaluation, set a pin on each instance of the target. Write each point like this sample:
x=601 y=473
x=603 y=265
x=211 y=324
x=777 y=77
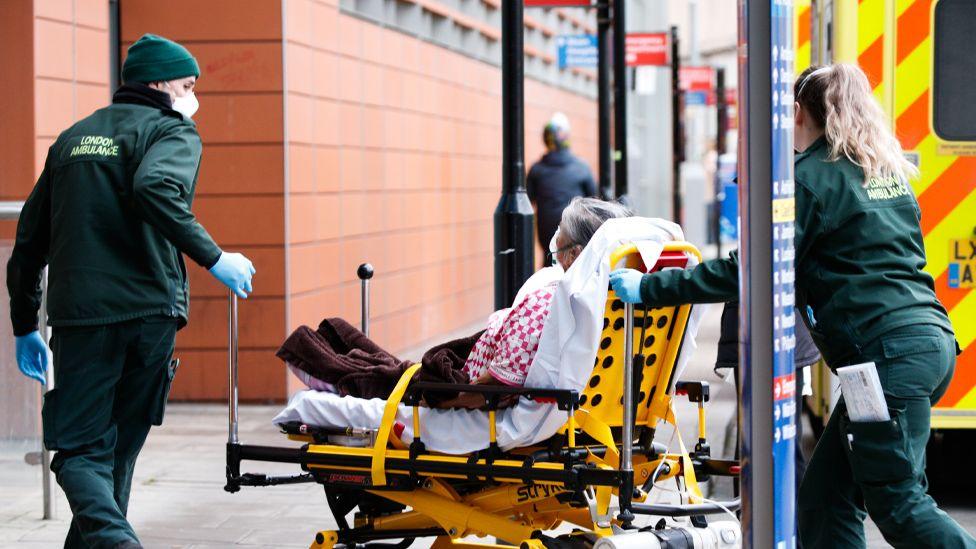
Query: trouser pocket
x=158 y=408
x=879 y=451
x=49 y=419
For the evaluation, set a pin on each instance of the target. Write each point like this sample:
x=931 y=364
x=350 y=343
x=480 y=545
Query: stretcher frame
x=525 y=491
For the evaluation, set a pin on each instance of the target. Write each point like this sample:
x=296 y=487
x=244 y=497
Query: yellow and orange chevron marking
x=801 y=30
x=947 y=187
x=870 y=43
x=894 y=48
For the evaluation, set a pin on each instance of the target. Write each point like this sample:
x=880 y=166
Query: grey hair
x=584 y=216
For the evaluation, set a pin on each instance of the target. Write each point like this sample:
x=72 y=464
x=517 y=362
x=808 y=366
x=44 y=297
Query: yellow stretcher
x=405 y=492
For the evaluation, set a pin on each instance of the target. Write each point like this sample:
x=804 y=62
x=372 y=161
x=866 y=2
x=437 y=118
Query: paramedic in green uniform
x=110 y=217
x=859 y=260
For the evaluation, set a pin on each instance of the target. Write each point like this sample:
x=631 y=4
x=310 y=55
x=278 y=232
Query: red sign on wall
x=647 y=48
x=695 y=79
x=558 y=3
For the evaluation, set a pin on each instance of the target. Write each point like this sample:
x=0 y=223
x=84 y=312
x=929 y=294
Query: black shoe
x=128 y=544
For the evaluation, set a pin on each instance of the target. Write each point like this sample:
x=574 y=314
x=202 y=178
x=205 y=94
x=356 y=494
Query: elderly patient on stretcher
x=339 y=358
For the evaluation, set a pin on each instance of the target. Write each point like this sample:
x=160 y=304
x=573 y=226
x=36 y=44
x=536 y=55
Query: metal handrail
x=10 y=210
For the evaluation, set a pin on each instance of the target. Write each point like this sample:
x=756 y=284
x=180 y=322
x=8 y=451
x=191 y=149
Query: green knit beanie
x=155 y=59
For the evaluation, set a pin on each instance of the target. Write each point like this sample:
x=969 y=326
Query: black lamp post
x=620 y=99
x=514 y=250
x=603 y=97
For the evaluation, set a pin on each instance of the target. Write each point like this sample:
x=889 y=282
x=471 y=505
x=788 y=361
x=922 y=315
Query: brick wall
x=71 y=66
x=328 y=141
x=55 y=70
x=394 y=155
x=56 y=66
x=240 y=194
x=17 y=111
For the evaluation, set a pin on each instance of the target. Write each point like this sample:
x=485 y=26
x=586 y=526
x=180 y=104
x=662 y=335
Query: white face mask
x=186 y=105
x=553 y=247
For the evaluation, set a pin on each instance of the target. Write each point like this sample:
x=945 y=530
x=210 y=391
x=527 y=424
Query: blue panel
x=696 y=98
x=784 y=300
x=729 y=217
x=578 y=50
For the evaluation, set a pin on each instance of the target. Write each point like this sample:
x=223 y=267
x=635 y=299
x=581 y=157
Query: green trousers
x=111 y=384
x=877 y=469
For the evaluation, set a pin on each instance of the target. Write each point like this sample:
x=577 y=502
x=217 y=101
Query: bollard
x=364 y=272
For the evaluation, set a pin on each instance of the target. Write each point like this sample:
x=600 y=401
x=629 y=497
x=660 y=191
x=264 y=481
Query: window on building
x=473 y=28
x=954 y=118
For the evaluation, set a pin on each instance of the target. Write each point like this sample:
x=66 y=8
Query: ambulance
x=919 y=57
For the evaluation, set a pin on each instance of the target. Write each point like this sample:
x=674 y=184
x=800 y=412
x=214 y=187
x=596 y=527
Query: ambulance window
x=954 y=117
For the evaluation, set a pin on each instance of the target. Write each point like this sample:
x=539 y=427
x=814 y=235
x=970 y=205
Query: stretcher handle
x=232 y=370
x=675 y=246
x=625 y=494
x=627 y=428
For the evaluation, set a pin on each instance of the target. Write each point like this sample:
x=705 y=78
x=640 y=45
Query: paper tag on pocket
x=862 y=392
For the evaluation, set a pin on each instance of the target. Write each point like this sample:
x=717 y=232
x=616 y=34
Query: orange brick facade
x=56 y=69
x=328 y=141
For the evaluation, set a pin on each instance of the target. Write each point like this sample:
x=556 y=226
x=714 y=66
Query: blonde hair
x=838 y=99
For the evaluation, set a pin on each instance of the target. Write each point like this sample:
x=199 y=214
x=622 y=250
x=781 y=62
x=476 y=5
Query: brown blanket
x=338 y=353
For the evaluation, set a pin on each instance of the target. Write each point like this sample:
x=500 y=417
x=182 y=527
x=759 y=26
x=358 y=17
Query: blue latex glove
x=32 y=356
x=626 y=284
x=235 y=272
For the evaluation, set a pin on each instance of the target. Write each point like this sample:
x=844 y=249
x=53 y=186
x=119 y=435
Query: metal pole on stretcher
x=365 y=272
x=237 y=452
x=232 y=369
x=626 y=493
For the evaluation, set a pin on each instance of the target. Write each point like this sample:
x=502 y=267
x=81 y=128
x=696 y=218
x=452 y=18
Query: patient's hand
x=476 y=401
x=485 y=379
x=471 y=401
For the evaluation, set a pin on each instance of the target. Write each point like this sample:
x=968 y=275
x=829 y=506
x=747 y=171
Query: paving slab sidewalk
x=177 y=497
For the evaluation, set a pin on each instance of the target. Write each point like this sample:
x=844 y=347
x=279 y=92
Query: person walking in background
x=110 y=215
x=556 y=179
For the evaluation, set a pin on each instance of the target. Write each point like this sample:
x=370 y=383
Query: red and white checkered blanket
x=510 y=342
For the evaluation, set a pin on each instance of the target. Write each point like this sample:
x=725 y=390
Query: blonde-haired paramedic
x=859 y=260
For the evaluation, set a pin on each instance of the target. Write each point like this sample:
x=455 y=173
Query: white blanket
x=567 y=350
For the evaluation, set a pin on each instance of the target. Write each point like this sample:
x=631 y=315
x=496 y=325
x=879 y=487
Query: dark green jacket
x=859 y=259
x=110 y=215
